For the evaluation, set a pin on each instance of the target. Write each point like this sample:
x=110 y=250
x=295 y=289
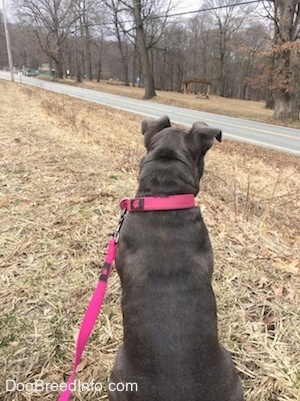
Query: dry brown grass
x=249 y=110
x=65 y=164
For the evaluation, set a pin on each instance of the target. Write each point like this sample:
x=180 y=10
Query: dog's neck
x=160 y=178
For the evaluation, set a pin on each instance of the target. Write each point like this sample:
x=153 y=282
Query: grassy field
x=64 y=166
x=248 y=110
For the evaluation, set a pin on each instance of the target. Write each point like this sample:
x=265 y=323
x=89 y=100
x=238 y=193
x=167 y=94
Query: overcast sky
x=188 y=5
x=185 y=7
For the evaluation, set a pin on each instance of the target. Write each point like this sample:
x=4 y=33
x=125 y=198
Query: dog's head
x=175 y=158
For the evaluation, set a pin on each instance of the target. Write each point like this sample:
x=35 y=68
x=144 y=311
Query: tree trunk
x=78 y=70
x=221 y=83
x=89 y=66
x=134 y=60
x=287 y=72
x=286 y=97
x=143 y=51
x=59 y=65
x=286 y=107
x=270 y=101
x=99 y=71
x=124 y=58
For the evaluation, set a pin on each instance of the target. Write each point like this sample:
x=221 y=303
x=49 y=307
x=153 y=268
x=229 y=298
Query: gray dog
x=171 y=350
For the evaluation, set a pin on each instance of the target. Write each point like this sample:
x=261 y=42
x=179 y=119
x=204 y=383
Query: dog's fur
x=165 y=262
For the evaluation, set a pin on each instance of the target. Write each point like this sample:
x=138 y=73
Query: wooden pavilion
x=196 y=81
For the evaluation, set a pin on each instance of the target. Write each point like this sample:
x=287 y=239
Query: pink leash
x=174 y=202
x=91 y=314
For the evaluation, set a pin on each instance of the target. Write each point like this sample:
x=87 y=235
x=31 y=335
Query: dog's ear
x=155 y=125
x=202 y=136
x=204 y=130
x=152 y=127
x=199 y=140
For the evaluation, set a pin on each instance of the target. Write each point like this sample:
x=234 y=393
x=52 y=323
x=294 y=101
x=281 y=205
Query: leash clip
x=116 y=234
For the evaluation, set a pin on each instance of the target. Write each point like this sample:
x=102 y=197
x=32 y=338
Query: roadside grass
x=65 y=165
x=245 y=109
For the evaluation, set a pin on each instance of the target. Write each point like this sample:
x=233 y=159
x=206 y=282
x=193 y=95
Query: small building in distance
x=205 y=86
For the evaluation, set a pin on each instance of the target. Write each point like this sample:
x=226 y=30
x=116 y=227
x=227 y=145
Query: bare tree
x=245 y=75
x=51 y=21
x=98 y=45
x=26 y=50
x=175 y=57
x=149 y=17
x=143 y=50
x=119 y=30
x=200 y=45
x=229 y=16
x=84 y=17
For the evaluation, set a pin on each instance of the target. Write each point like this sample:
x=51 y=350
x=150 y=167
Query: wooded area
x=246 y=49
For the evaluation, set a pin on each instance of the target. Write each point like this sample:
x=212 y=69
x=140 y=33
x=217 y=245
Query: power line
x=201 y=10
x=210 y=9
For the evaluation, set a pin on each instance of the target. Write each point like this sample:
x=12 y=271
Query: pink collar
x=154 y=203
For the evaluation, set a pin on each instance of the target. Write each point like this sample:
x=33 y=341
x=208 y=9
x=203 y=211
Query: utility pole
x=8 y=46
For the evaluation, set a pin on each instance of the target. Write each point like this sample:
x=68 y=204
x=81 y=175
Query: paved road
x=266 y=135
